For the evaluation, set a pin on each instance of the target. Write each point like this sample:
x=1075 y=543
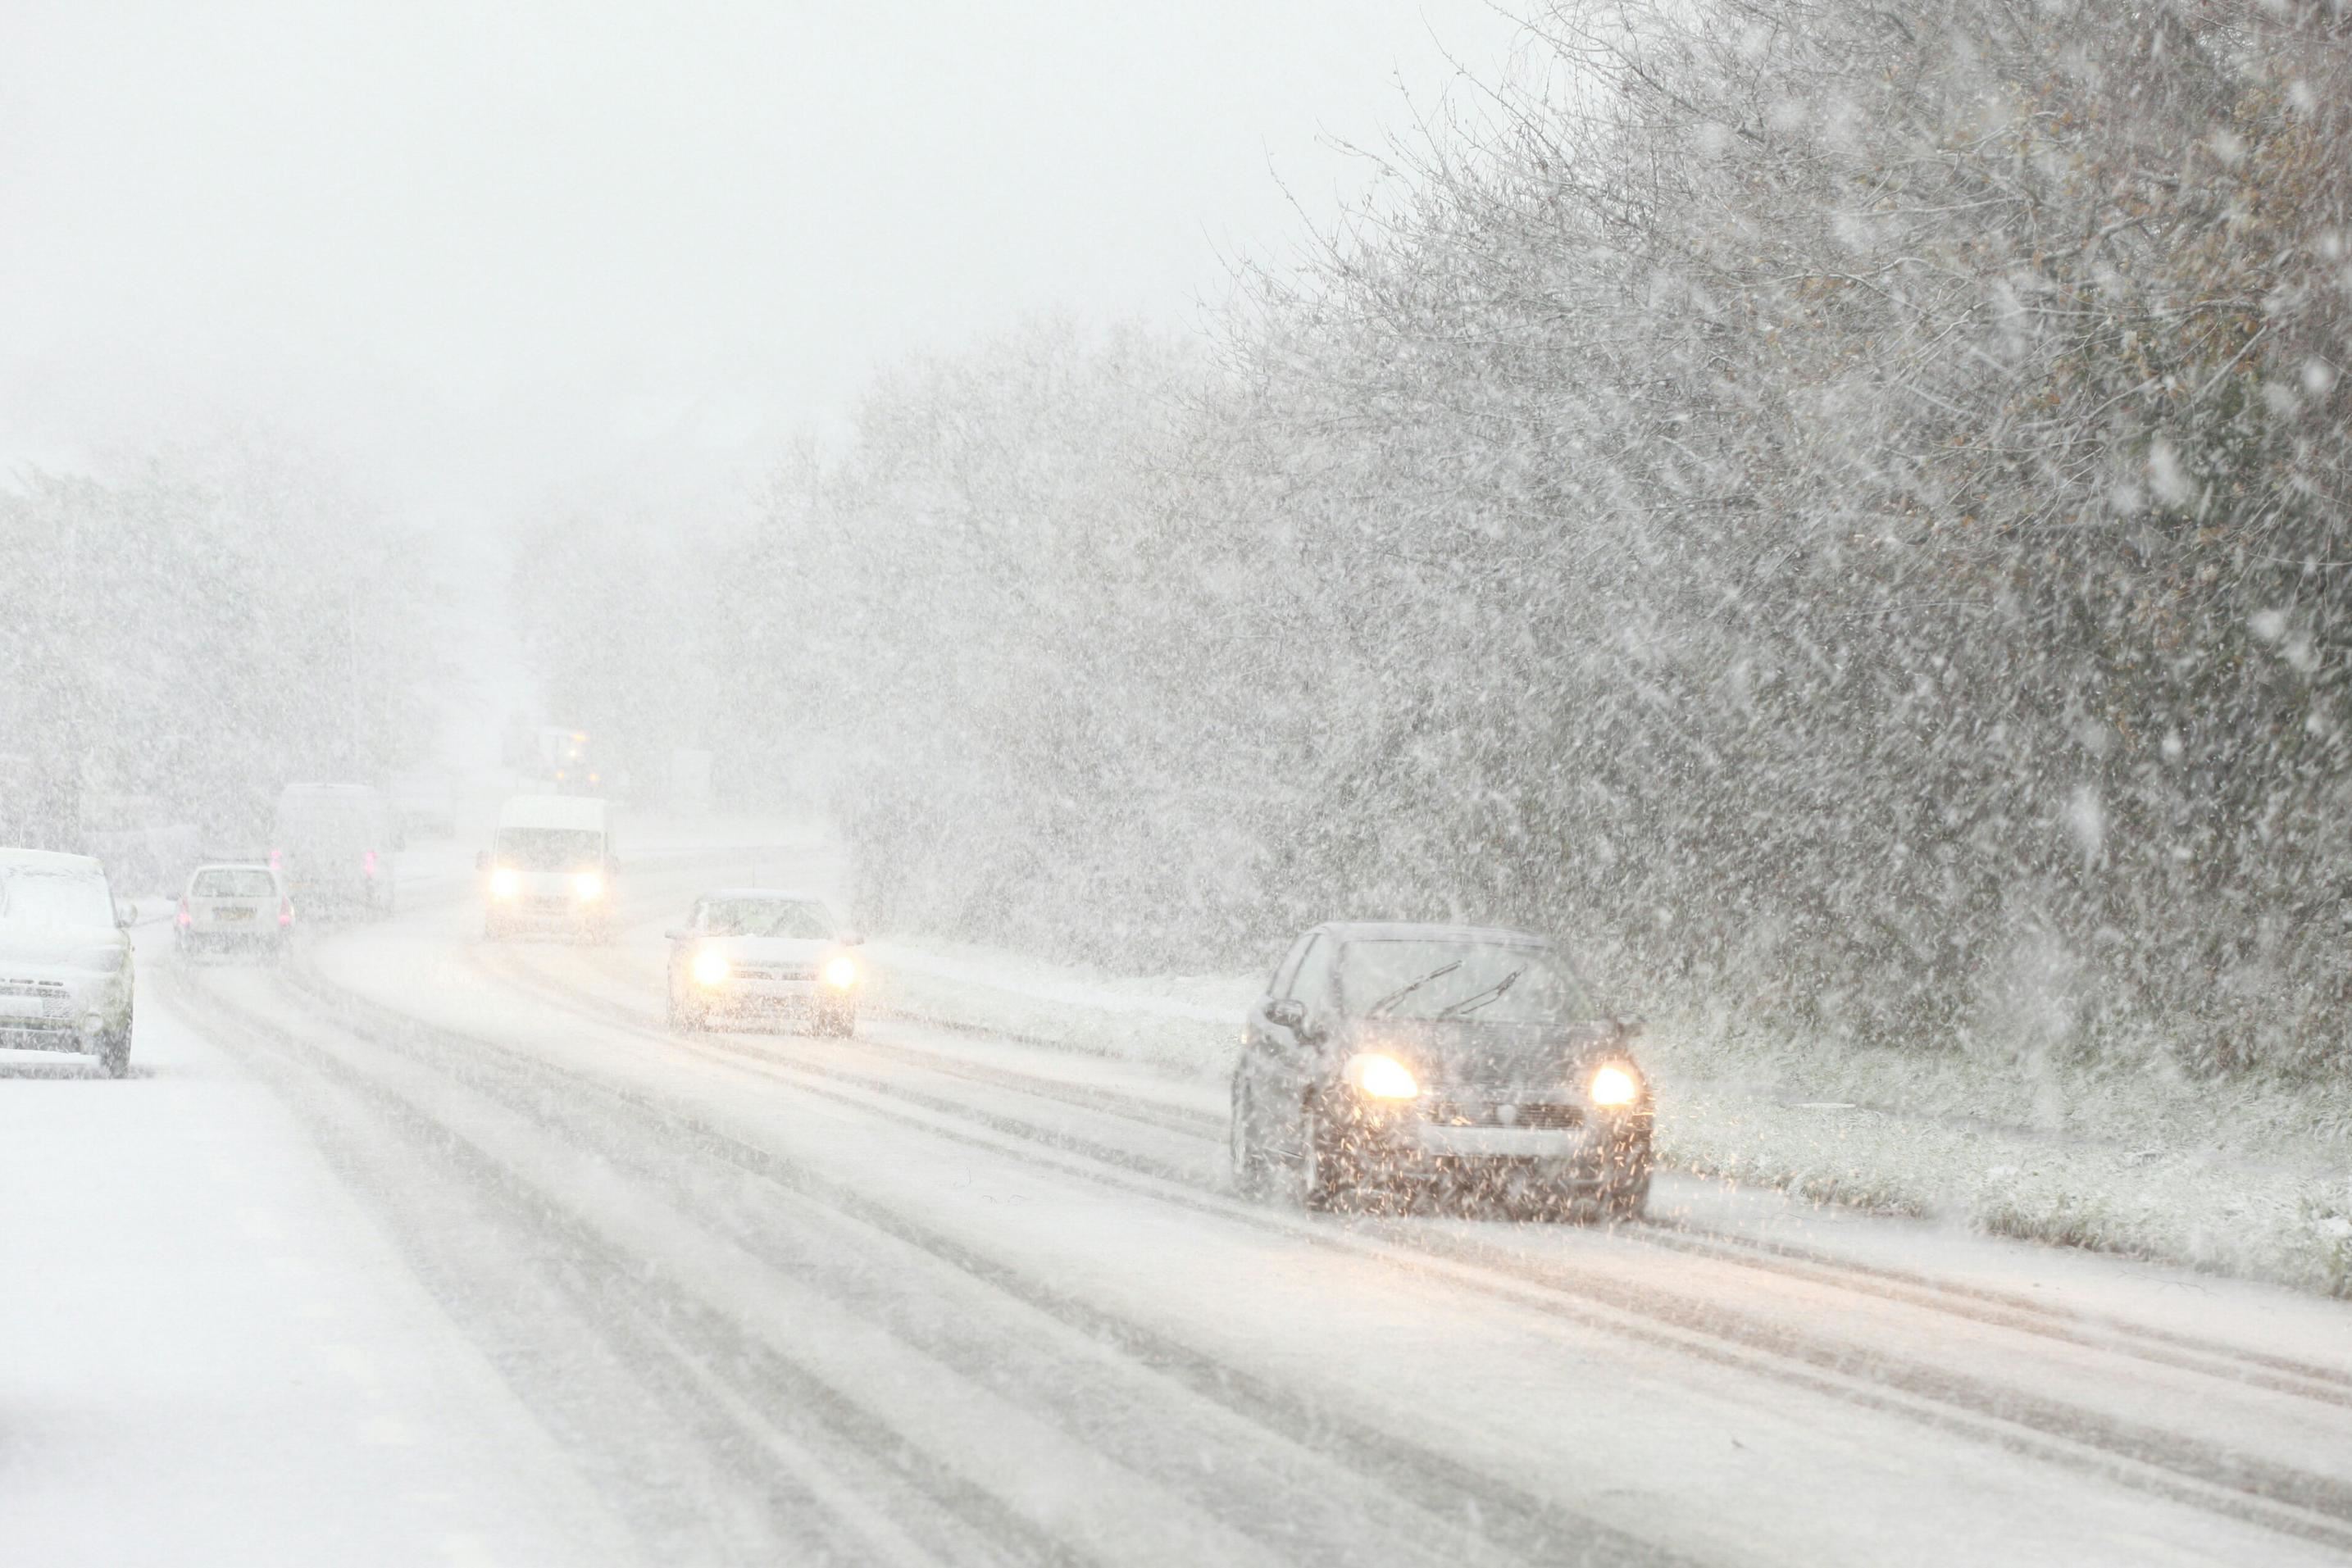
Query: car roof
x=780 y=894
x=1430 y=930
x=51 y=860
x=254 y=864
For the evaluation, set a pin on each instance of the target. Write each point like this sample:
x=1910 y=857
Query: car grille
x=55 y=988
x=1547 y=1114
x=760 y=972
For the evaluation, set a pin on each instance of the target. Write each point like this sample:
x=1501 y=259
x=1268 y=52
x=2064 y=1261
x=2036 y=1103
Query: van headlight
x=1613 y=1087
x=1381 y=1077
x=841 y=973
x=588 y=884
x=710 y=968
x=505 y=882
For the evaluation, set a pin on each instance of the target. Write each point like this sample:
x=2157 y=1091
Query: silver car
x=751 y=953
x=234 y=907
x=64 y=958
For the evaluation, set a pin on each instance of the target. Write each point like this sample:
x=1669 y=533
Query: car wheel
x=1627 y=1201
x=843 y=1024
x=1248 y=1160
x=114 y=1051
x=1326 y=1176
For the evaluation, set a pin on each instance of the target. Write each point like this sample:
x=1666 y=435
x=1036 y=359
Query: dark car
x=1398 y=1056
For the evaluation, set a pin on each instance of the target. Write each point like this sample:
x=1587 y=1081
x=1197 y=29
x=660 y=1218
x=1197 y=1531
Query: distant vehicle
x=64 y=958
x=426 y=802
x=550 y=867
x=755 y=953
x=232 y=907
x=567 y=761
x=333 y=846
x=1391 y=1055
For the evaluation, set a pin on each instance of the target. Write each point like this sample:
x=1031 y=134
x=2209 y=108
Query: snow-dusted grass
x=2252 y=1179
x=2243 y=1177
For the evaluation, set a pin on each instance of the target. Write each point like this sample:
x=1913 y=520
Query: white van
x=550 y=867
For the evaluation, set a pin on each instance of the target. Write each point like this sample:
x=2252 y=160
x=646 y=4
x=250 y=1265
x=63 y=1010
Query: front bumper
x=51 y=1016
x=557 y=911
x=738 y=995
x=1569 y=1148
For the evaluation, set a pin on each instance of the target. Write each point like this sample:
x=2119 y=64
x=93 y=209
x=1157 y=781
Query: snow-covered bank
x=2242 y=1178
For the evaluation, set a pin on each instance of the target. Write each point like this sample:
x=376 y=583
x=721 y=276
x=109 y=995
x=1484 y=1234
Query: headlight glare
x=1613 y=1086
x=709 y=968
x=588 y=884
x=841 y=973
x=505 y=882
x=1381 y=1077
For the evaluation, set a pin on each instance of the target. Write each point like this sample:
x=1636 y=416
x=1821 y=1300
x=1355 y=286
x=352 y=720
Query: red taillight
x=285 y=912
x=371 y=863
x=186 y=918
x=277 y=860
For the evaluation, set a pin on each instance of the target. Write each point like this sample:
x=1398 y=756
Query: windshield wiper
x=1393 y=997
x=1478 y=999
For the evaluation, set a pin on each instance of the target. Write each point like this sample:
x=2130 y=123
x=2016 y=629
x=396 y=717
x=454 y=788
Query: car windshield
x=550 y=849
x=1496 y=982
x=55 y=901
x=766 y=917
x=234 y=881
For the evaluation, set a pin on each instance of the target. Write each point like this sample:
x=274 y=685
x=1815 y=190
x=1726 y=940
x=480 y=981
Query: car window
x=1312 y=984
x=55 y=901
x=1495 y=982
x=235 y=882
x=550 y=849
x=1287 y=970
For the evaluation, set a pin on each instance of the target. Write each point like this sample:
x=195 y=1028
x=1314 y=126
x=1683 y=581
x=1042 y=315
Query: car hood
x=1507 y=1059
x=768 y=949
x=34 y=952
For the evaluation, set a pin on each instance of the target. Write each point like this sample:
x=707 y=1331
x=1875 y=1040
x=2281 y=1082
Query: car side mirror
x=481 y=860
x=1632 y=1028
x=678 y=933
x=1287 y=1012
x=124 y=916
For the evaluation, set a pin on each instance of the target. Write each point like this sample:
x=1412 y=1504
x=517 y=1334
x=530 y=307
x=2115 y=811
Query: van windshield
x=550 y=849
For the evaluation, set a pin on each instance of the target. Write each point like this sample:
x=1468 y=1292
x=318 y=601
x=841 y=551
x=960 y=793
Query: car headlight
x=709 y=968
x=1381 y=1077
x=841 y=973
x=1615 y=1086
x=505 y=882
x=588 y=884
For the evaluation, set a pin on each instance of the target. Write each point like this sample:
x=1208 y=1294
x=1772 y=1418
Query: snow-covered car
x=234 y=907
x=749 y=953
x=64 y=958
x=1392 y=1056
x=550 y=867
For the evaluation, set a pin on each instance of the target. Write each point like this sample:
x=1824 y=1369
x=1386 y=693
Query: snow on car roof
x=780 y=894
x=52 y=861
x=1438 y=931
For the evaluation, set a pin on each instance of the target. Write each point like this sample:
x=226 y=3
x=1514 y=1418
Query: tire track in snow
x=2322 y=1503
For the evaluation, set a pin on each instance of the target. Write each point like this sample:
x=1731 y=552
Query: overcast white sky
x=483 y=251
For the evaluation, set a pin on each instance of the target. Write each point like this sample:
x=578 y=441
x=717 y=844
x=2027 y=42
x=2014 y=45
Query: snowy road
x=574 y=1289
